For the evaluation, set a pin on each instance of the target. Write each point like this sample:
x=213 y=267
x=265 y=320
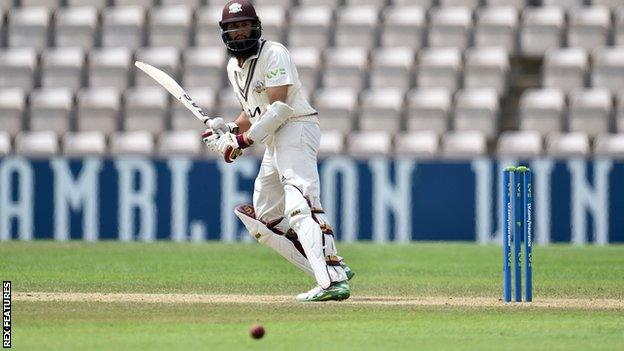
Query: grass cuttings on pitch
x=423 y=270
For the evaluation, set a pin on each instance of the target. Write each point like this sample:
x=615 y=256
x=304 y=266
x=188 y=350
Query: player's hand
x=209 y=137
x=229 y=145
x=219 y=125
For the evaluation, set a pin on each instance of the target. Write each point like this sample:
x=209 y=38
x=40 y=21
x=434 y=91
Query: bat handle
x=208 y=123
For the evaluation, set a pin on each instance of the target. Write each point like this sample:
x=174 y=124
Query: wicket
x=517 y=193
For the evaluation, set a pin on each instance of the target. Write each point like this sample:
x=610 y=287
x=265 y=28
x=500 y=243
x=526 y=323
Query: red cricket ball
x=256 y=331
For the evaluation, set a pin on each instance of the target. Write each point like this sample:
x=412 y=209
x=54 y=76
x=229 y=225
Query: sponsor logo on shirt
x=259 y=87
x=274 y=73
x=252 y=114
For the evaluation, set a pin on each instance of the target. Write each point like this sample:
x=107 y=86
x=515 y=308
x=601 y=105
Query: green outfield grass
x=421 y=270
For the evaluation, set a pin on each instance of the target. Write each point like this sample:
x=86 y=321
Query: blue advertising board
x=379 y=199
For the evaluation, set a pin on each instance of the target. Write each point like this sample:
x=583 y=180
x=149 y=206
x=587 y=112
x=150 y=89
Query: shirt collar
x=234 y=60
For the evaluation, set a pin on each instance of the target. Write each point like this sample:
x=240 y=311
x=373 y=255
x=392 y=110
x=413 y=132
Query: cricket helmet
x=238 y=11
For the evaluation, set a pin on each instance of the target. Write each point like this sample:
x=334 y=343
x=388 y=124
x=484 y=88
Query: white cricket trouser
x=291 y=158
x=294 y=147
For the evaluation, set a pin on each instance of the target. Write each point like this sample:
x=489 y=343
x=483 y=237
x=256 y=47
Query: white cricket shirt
x=272 y=66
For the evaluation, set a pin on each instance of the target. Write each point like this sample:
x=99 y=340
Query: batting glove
x=230 y=146
x=209 y=137
x=219 y=125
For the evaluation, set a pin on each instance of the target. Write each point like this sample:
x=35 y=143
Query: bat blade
x=173 y=88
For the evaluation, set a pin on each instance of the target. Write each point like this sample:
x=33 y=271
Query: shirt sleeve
x=279 y=68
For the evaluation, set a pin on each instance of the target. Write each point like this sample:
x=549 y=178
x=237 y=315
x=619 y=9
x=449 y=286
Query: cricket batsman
x=286 y=214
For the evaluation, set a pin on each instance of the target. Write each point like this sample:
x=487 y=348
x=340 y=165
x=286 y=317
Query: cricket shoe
x=337 y=291
x=350 y=274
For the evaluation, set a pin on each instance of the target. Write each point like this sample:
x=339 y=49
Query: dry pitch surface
x=587 y=304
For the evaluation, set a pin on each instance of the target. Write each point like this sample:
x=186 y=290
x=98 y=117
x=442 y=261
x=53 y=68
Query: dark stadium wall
x=380 y=199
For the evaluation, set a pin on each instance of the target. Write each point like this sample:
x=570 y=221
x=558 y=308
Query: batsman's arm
x=243 y=123
x=278 y=93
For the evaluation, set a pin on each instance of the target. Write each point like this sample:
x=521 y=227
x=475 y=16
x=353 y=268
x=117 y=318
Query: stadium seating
x=17 y=68
x=611 y=4
x=37 y=144
x=29 y=27
x=5 y=143
x=170 y=26
x=588 y=27
x=182 y=119
x=179 y=142
x=132 y=143
x=609 y=145
x=425 y=4
x=5 y=5
x=381 y=109
x=98 y=109
x=391 y=67
x=12 y=106
x=420 y=144
x=76 y=27
x=50 y=109
x=618 y=30
x=522 y=144
x=423 y=78
x=542 y=110
x=497 y=26
x=428 y=109
x=565 y=69
x=98 y=4
x=608 y=68
x=590 y=111
x=369 y=143
x=166 y=58
x=403 y=26
x=565 y=4
x=619 y=112
x=567 y=145
x=471 y=4
x=109 y=67
x=145 y=109
x=310 y=24
x=356 y=26
x=280 y=3
x=450 y=27
x=332 y=143
x=229 y=107
x=517 y=4
x=439 y=68
x=345 y=67
x=84 y=144
x=542 y=28
x=463 y=145
x=487 y=67
x=122 y=26
x=308 y=61
x=207 y=26
x=477 y=110
x=337 y=107
x=203 y=67
x=273 y=21
x=142 y=3
x=62 y=68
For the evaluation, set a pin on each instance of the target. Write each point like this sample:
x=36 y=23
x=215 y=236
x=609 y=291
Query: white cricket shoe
x=337 y=291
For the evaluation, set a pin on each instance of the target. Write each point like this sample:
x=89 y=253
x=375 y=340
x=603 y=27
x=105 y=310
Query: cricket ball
x=256 y=331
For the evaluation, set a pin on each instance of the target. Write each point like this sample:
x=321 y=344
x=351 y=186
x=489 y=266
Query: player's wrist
x=243 y=141
x=233 y=127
